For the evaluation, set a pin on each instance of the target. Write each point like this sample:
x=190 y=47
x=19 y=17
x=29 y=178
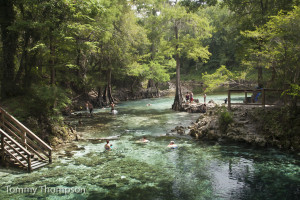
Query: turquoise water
x=195 y=170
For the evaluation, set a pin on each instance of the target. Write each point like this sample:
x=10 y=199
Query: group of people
x=90 y=107
x=189 y=97
x=109 y=146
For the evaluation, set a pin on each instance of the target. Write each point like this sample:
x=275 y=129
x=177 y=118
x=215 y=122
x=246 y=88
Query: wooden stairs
x=20 y=146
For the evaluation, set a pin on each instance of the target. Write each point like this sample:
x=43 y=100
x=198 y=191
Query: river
x=195 y=170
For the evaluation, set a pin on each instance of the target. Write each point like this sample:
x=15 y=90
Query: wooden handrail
x=25 y=136
x=263 y=93
x=28 y=159
x=15 y=142
x=22 y=127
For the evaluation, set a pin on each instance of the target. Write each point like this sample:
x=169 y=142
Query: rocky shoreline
x=247 y=125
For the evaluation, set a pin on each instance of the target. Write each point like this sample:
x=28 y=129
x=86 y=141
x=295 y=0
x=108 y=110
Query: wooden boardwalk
x=20 y=146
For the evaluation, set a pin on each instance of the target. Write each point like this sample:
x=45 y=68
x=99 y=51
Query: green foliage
x=64 y=45
x=277 y=47
x=45 y=102
x=225 y=118
x=294 y=91
x=48 y=100
x=217 y=79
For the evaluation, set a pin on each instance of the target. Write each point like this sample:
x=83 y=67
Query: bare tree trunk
x=177 y=105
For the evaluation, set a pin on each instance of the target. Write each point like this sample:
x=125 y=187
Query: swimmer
x=144 y=140
x=107 y=146
x=149 y=104
x=172 y=145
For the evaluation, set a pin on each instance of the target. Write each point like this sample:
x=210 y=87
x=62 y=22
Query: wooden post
x=263 y=98
x=50 y=156
x=24 y=140
x=29 y=163
x=229 y=100
x=2 y=148
x=2 y=118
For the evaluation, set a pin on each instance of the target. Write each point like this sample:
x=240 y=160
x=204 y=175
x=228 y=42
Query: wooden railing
x=263 y=92
x=21 y=134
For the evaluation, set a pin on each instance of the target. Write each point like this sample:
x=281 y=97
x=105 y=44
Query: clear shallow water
x=196 y=170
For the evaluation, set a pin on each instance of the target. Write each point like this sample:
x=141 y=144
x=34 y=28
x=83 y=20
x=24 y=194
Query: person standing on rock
x=204 y=97
x=187 y=97
x=191 y=97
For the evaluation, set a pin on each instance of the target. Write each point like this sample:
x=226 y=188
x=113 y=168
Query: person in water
x=90 y=107
x=112 y=106
x=87 y=106
x=172 y=145
x=107 y=146
x=144 y=140
x=204 y=97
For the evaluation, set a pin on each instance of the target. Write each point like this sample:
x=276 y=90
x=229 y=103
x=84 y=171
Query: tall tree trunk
x=157 y=90
x=52 y=61
x=23 y=59
x=177 y=105
x=30 y=64
x=107 y=95
x=99 y=97
x=260 y=76
x=150 y=83
x=52 y=70
x=273 y=73
x=9 y=41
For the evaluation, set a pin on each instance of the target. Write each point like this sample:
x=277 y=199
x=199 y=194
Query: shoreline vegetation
x=56 y=55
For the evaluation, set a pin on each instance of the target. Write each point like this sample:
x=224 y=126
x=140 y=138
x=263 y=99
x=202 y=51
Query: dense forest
x=53 y=51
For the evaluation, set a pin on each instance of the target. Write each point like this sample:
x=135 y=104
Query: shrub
x=225 y=118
